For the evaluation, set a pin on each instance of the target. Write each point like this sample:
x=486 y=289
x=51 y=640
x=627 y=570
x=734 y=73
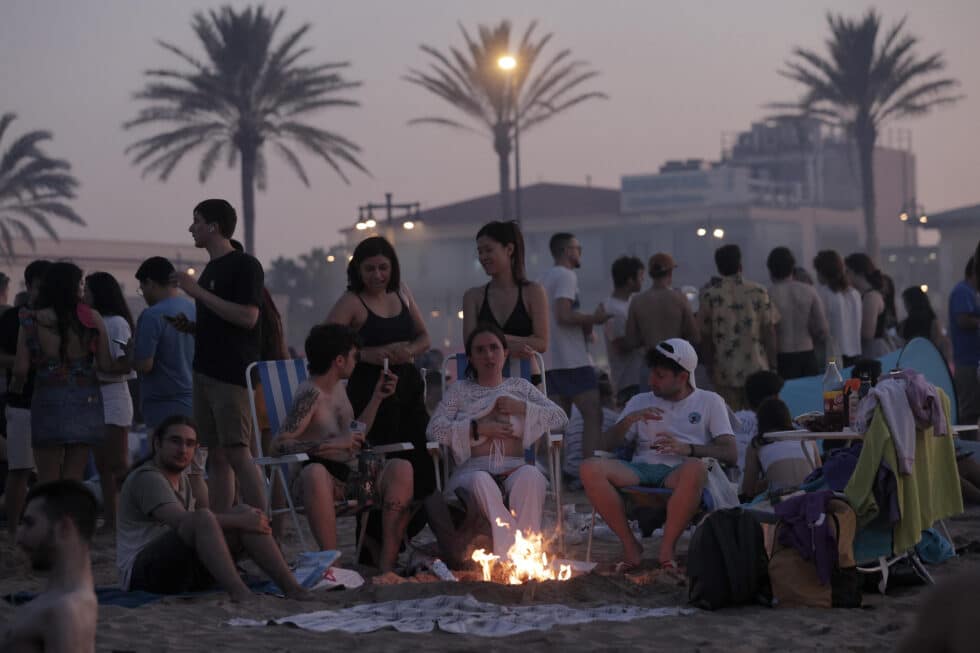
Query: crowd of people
x=71 y=347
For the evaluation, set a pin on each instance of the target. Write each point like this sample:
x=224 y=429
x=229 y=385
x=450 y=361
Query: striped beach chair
x=278 y=380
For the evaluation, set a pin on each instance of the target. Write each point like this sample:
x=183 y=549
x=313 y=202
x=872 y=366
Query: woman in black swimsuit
x=381 y=309
x=517 y=306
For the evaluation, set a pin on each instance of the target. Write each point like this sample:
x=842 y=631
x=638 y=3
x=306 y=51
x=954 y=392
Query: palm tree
x=33 y=188
x=475 y=85
x=864 y=82
x=248 y=92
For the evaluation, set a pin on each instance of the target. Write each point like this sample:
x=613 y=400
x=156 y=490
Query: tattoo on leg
x=302 y=405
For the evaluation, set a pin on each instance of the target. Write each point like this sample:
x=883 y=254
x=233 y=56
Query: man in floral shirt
x=737 y=323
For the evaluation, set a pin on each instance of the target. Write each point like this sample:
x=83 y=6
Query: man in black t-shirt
x=226 y=340
x=20 y=454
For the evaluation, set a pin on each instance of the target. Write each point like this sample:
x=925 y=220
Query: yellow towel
x=931 y=492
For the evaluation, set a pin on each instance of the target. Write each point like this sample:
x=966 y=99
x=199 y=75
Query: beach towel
x=463 y=615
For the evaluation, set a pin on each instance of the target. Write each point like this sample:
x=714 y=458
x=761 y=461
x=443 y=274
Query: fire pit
x=526 y=560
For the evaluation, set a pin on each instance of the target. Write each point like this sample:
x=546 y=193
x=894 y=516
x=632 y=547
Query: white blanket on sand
x=459 y=614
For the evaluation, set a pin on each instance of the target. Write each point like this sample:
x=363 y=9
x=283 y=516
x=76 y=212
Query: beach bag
x=794 y=579
x=727 y=563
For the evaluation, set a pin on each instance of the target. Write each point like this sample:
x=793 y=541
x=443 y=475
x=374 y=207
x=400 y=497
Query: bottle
x=865 y=385
x=852 y=398
x=833 y=397
x=440 y=569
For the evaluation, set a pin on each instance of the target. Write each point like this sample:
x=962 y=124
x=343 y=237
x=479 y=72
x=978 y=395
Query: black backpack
x=727 y=562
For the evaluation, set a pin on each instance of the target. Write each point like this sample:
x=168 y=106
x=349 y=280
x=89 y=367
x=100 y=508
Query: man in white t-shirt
x=625 y=364
x=570 y=374
x=671 y=427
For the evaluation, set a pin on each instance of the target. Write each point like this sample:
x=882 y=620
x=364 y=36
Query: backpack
x=794 y=580
x=727 y=562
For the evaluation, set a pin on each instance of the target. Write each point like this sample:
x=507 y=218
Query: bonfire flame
x=526 y=560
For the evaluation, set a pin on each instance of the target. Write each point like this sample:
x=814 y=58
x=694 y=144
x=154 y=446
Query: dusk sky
x=679 y=75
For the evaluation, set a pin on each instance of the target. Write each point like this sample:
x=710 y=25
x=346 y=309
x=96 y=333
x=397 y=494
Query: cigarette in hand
x=386 y=365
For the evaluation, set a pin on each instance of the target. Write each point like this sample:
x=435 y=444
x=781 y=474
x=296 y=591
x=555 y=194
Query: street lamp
x=411 y=216
x=508 y=64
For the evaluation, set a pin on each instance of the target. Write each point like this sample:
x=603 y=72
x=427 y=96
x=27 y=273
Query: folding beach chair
x=515 y=367
x=707 y=502
x=279 y=380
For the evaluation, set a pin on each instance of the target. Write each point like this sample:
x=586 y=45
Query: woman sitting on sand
x=771 y=465
x=488 y=422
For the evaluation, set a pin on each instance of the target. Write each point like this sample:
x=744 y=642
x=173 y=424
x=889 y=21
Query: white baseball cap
x=681 y=352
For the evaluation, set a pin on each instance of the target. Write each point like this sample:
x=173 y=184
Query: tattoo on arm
x=302 y=405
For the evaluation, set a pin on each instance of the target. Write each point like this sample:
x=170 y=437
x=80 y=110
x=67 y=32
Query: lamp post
x=508 y=64
x=913 y=215
x=411 y=218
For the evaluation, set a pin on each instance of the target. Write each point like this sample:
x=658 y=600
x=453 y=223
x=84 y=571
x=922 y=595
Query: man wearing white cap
x=671 y=428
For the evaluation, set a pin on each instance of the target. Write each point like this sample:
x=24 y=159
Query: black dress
x=402 y=417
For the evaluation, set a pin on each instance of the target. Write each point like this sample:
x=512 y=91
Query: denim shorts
x=651 y=475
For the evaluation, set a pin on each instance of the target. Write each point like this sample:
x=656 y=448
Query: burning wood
x=526 y=560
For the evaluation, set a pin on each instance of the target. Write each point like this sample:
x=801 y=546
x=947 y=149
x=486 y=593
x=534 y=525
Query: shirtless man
x=319 y=423
x=55 y=531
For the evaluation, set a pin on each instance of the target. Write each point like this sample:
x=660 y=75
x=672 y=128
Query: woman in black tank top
x=387 y=320
x=510 y=302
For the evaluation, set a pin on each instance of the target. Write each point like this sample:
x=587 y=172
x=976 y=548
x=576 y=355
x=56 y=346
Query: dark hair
x=482 y=327
x=918 y=322
x=158 y=270
x=236 y=245
x=107 y=296
x=656 y=360
x=624 y=269
x=780 y=263
x=728 y=259
x=771 y=415
x=273 y=345
x=4 y=281
x=325 y=343
x=830 y=266
x=59 y=292
x=35 y=270
x=373 y=246
x=67 y=498
x=762 y=385
x=508 y=233
x=218 y=211
x=871 y=367
x=157 y=436
x=970 y=268
x=861 y=264
x=558 y=242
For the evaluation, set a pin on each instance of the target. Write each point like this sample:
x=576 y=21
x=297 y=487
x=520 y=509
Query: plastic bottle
x=833 y=397
x=440 y=569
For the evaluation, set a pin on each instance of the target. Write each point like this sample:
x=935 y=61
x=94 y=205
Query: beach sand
x=198 y=624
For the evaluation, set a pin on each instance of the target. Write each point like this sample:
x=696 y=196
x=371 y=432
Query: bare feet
x=632 y=552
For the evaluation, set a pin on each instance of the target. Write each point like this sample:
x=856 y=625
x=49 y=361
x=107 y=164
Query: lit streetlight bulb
x=191 y=271
x=923 y=219
x=702 y=232
x=507 y=62
x=408 y=224
x=924 y=288
x=460 y=315
x=370 y=224
x=360 y=226
x=718 y=233
x=331 y=258
x=904 y=217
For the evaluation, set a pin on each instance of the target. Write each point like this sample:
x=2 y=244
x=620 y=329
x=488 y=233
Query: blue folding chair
x=279 y=380
x=515 y=367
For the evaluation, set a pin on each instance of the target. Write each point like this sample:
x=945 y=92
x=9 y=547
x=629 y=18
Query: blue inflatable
x=806 y=395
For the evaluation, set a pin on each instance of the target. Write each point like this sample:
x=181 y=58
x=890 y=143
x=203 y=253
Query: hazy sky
x=679 y=74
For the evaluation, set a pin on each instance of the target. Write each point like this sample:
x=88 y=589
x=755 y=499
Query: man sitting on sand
x=321 y=423
x=55 y=532
x=672 y=427
x=165 y=546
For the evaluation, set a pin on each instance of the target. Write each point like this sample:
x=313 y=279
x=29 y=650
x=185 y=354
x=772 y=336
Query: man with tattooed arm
x=321 y=423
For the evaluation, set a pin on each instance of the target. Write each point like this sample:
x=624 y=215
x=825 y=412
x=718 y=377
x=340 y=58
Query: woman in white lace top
x=488 y=423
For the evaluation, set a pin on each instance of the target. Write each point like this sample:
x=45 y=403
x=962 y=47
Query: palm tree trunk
x=501 y=145
x=865 y=135
x=248 y=153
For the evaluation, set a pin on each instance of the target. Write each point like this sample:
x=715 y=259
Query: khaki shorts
x=20 y=454
x=222 y=413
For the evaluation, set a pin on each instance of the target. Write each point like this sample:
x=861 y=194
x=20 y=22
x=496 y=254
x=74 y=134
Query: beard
x=172 y=466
